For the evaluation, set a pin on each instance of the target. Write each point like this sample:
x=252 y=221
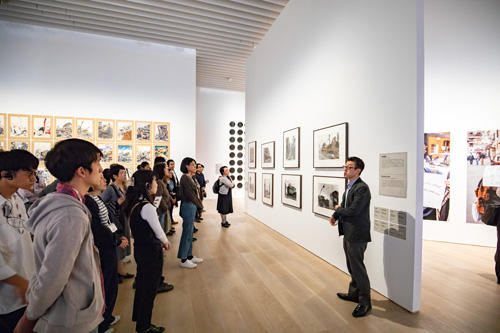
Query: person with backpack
x=225 y=198
x=114 y=196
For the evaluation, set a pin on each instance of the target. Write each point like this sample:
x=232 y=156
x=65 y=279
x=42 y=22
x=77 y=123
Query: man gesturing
x=353 y=218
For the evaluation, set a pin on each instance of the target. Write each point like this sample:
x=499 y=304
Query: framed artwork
x=3 y=127
x=125 y=153
x=41 y=148
x=64 y=128
x=291 y=190
x=107 y=152
x=124 y=130
x=161 y=150
x=267 y=158
x=142 y=153
x=19 y=126
x=330 y=146
x=267 y=188
x=327 y=193
x=42 y=127
x=291 y=148
x=252 y=185
x=162 y=132
x=44 y=176
x=143 y=130
x=85 y=128
x=252 y=154
x=105 y=129
x=19 y=144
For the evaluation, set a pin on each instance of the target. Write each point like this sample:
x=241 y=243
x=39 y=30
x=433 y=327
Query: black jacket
x=104 y=239
x=354 y=220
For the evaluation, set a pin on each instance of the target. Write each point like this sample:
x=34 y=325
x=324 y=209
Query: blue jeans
x=162 y=221
x=188 y=212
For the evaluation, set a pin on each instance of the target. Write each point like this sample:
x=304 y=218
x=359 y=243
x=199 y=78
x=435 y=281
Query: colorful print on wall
x=436 y=176
x=85 y=128
x=483 y=167
x=19 y=126
x=64 y=128
x=42 y=127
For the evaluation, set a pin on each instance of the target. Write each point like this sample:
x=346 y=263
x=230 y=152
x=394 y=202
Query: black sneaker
x=195 y=230
x=225 y=224
x=153 y=329
x=164 y=287
x=195 y=239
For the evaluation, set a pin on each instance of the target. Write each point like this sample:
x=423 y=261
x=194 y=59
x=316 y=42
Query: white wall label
x=393 y=174
x=390 y=222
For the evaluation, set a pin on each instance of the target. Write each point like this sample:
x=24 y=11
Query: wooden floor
x=255 y=280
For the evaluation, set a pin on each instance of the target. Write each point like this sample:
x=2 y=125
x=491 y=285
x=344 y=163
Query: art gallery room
x=283 y=93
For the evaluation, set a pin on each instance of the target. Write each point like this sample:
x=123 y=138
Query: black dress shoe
x=195 y=239
x=361 y=310
x=164 y=287
x=153 y=329
x=225 y=224
x=347 y=297
x=195 y=230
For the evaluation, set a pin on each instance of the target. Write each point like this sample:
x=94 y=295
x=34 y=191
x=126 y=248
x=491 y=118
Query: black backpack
x=216 y=187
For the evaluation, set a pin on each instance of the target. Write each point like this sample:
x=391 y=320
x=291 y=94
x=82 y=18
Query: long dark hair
x=142 y=180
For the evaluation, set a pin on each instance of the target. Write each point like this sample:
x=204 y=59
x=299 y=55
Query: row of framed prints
x=20 y=126
x=329 y=149
x=121 y=152
x=327 y=191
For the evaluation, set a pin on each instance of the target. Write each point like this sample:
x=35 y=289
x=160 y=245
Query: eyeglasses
x=349 y=167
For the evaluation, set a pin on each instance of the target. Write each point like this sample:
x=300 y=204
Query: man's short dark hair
x=185 y=162
x=357 y=162
x=199 y=165
x=159 y=159
x=168 y=162
x=68 y=155
x=17 y=159
x=221 y=170
x=159 y=170
x=114 y=170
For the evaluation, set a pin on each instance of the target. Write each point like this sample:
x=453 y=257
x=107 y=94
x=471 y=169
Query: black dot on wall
x=240 y=177
x=231 y=162
x=232 y=155
x=240 y=185
x=232 y=177
x=232 y=124
x=240 y=155
x=240 y=162
x=231 y=170
x=240 y=132
x=240 y=170
x=232 y=139
x=231 y=147
x=240 y=140
x=240 y=147
x=232 y=132
x=240 y=124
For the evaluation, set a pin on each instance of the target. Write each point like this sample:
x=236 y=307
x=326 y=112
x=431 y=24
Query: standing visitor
x=225 y=198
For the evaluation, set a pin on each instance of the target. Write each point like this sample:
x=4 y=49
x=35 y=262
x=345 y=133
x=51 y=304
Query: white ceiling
x=224 y=32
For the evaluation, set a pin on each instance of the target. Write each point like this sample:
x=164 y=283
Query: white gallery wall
x=462 y=93
x=344 y=61
x=215 y=109
x=65 y=73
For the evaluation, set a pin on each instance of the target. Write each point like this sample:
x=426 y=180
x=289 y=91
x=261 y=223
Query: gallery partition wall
x=332 y=80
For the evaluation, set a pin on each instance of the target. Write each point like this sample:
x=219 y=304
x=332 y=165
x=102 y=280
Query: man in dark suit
x=353 y=218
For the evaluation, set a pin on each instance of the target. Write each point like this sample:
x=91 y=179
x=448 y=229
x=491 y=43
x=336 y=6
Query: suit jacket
x=354 y=218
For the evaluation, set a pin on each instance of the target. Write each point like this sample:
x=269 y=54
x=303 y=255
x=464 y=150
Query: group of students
x=60 y=268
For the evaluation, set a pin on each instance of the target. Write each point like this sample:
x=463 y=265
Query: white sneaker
x=109 y=330
x=196 y=260
x=115 y=320
x=187 y=264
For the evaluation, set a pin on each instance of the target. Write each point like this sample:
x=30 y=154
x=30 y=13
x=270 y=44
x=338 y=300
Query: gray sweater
x=65 y=292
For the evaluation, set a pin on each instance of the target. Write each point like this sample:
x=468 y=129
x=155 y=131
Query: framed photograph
x=42 y=127
x=143 y=130
x=105 y=129
x=124 y=130
x=64 y=128
x=142 y=153
x=267 y=158
x=161 y=150
x=267 y=188
x=291 y=190
x=3 y=127
x=107 y=150
x=252 y=154
x=19 y=126
x=291 y=148
x=330 y=146
x=41 y=148
x=252 y=185
x=19 y=144
x=124 y=153
x=327 y=193
x=85 y=128
x=162 y=132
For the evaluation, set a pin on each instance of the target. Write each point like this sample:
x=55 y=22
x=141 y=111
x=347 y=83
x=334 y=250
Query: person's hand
x=167 y=245
x=336 y=207
x=21 y=289
x=333 y=222
x=124 y=242
x=25 y=325
x=121 y=200
x=173 y=200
